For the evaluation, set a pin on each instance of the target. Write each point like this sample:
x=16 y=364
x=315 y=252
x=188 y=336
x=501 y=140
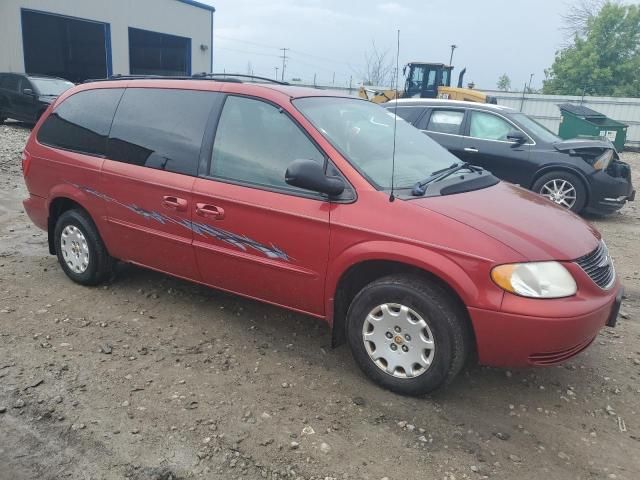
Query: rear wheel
x=80 y=249
x=407 y=334
x=562 y=188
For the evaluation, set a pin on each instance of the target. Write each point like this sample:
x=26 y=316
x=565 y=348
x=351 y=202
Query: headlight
x=603 y=161
x=535 y=279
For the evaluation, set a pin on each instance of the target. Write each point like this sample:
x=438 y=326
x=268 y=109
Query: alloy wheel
x=560 y=191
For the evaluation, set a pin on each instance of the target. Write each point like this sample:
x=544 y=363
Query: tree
x=378 y=67
x=577 y=17
x=604 y=57
x=504 y=83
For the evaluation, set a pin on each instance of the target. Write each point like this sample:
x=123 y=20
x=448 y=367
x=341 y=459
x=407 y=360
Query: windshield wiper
x=419 y=188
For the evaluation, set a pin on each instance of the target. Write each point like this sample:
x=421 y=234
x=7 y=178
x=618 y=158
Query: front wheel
x=407 y=334
x=562 y=188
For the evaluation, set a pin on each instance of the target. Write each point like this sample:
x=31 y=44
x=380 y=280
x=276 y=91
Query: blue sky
x=516 y=37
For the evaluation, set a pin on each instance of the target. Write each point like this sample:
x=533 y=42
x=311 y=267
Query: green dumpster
x=577 y=121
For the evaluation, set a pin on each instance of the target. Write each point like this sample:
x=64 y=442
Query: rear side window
x=161 y=128
x=446 y=121
x=255 y=143
x=81 y=122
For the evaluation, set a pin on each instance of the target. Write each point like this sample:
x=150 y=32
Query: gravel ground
x=150 y=377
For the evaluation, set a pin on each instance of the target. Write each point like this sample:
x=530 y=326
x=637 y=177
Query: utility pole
x=453 y=47
x=524 y=91
x=284 y=60
x=530 y=79
x=333 y=82
x=314 y=79
x=276 y=72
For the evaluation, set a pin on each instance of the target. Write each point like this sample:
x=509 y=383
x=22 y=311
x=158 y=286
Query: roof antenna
x=392 y=196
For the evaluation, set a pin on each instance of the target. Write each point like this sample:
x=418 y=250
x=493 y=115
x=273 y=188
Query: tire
x=2 y=118
x=446 y=323
x=571 y=184
x=87 y=263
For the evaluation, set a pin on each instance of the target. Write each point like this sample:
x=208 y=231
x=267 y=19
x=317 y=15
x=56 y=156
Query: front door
x=153 y=155
x=27 y=104
x=486 y=145
x=254 y=234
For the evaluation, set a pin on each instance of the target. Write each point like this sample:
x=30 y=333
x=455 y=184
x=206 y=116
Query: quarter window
x=446 y=121
x=81 y=122
x=255 y=143
x=161 y=128
x=408 y=114
x=489 y=127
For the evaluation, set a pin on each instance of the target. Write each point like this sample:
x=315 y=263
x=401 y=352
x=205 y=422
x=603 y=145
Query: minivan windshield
x=363 y=132
x=50 y=86
x=533 y=127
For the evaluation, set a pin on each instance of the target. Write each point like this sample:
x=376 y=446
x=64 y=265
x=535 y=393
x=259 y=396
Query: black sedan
x=582 y=175
x=25 y=97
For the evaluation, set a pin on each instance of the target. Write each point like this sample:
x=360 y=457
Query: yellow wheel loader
x=427 y=80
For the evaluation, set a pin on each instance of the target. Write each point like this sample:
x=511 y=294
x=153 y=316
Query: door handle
x=174 y=203
x=211 y=211
x=471 y=150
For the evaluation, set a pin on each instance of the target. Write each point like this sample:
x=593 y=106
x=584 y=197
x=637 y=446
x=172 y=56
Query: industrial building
x=81 y=39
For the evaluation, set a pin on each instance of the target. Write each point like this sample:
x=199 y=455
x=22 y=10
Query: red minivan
x=323 y=204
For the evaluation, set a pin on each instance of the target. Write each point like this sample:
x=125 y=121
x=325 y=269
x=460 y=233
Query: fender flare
x=563 y=168
x=428 y=260
x=95 y=209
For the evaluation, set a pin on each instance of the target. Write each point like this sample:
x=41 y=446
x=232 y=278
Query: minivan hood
x=578 y=144
x=528 y=223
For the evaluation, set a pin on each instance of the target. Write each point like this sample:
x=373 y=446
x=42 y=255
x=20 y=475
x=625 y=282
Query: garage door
x=153 y=53
x=66 y=47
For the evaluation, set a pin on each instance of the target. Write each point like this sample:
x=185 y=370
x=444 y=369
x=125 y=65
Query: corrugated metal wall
x=544 y=108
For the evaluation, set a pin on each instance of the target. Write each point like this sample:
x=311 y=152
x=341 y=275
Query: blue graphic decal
x=241 y=242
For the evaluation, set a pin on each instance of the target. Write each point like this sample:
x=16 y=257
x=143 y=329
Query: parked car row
x=581 y=175
x=331 y=207
x=25 y=97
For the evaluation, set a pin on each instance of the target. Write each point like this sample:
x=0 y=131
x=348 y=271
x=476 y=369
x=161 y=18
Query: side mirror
x=27 y=91
x=517 y=137
x=310 y=175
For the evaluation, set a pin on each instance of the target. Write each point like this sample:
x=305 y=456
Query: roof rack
x=119 y=76
x=237 y=76
x=217 y=77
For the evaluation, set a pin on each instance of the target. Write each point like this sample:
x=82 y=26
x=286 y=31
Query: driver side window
x=255 y=143
x=487 y=126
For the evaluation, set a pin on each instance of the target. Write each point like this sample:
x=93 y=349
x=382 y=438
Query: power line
x=250 y=52
x=307 y=54
x=262 y=45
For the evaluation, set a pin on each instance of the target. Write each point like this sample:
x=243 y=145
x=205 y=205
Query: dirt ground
x=150 y=377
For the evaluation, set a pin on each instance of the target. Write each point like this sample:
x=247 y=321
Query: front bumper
x=511 y=340
x=609 y=193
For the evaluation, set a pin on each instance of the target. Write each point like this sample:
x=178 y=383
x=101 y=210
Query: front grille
x=598 y=266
